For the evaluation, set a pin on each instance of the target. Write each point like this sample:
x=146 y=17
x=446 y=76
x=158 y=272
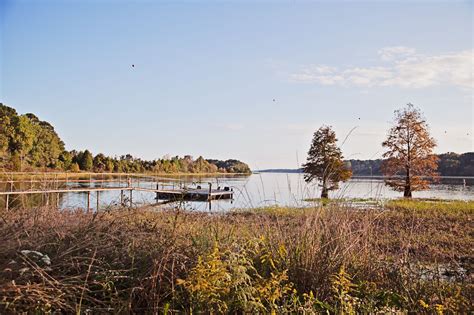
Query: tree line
x=27 y=143
x=85 y=161
x=449 y=164
x=408 y=163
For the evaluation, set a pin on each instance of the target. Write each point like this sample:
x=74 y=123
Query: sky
x=250 y=80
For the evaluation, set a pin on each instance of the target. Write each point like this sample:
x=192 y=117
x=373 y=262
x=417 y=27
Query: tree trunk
x=407 y=192
x=324 y=193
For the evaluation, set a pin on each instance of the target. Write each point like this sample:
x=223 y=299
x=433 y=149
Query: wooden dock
x=190 y=194
x=163 y=193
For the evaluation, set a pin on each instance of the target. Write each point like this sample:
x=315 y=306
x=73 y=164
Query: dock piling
x=210 y=192
x=157 y=188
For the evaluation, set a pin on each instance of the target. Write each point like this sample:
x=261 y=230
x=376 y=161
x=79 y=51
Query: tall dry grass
x=147 y=260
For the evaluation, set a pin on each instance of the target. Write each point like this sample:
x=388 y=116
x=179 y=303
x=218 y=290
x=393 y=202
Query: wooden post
x=157 y=188
x=88 y=200
x=7 y=201
x=98 y=200
x=57 y=200
x=210 y=191
x=121 y=197
x=131 y=197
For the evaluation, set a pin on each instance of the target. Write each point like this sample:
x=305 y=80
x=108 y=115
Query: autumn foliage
x=409 y=163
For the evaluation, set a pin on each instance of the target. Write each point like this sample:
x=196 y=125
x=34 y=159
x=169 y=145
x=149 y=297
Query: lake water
x=265 y=189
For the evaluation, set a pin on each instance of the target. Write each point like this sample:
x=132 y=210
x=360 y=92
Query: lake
x=265 y=189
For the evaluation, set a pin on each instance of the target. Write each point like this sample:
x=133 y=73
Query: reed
x=320 y=259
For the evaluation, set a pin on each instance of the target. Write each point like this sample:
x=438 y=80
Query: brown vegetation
x=333 y=259
x=410 y=161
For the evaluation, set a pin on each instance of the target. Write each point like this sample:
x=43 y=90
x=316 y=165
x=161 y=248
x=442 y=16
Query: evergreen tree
x=325 y=161
x=86 y=162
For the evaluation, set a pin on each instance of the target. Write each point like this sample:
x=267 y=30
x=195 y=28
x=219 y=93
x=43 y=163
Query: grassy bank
x=332 y=259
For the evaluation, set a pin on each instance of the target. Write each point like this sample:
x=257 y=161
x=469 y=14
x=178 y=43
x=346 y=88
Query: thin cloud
x=402 y=67
x=233 y=126
x=396 y=52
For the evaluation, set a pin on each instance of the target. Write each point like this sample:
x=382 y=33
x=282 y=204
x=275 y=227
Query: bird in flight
x=274 y=100
x=133 y=66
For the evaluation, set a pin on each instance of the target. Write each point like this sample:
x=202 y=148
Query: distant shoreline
x=359 y=176
x=449 y=165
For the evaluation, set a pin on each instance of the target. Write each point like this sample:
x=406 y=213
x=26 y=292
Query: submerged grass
x=321 y=259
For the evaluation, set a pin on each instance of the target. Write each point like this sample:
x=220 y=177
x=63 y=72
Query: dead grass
x=282 y=259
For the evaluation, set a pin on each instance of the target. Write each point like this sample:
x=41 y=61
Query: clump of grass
x=326 y=201
x=283 y=260
x=432 y=207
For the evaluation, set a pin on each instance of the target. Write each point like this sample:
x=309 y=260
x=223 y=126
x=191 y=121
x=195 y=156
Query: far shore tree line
x=85 y=161
x=29 y=144
x=449 y=164
x=409 y=163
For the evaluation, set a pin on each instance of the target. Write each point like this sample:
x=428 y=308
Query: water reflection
x=257 y=190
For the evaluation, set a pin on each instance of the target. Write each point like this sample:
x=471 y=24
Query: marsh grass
x=432 y=206
x=345 y=201
x=318 y=259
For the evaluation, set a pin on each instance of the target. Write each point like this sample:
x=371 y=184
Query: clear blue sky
x=206 y=74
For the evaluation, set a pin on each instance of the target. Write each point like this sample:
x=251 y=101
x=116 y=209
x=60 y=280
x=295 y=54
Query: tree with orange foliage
x=325 y=162
x=409 y=162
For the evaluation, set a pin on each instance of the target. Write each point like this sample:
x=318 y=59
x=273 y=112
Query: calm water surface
x=257 y=190
x=267 y=189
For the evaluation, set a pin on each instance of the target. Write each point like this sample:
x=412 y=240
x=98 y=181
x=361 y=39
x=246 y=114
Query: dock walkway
x=163 y=193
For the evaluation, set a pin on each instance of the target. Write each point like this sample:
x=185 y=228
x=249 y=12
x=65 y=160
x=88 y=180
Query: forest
x=449 y=164
x=29 y=144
